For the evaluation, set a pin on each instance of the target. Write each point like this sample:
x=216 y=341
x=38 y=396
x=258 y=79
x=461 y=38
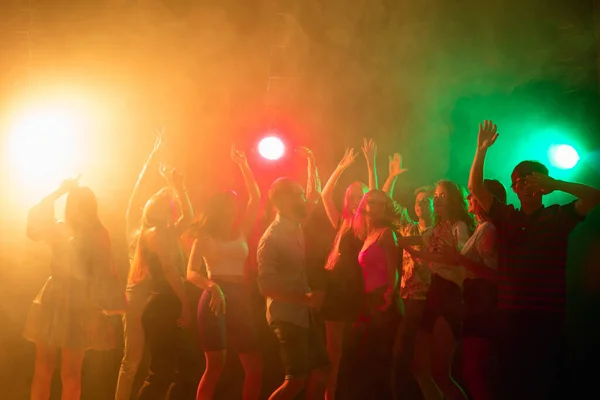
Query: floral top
x=416 y=276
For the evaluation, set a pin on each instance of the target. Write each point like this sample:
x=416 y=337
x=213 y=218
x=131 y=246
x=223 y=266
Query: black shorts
x=235 y=329
x=445 y=300
x=302 y=349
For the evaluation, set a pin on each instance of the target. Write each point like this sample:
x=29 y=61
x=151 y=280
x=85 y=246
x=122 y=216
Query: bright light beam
x=563 y=156
x=271 y=148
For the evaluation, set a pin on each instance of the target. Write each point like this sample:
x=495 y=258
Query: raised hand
x=238 y=156
x=348 y=158
x=173 y=176
x=160 y=132
x=488 y=133
x=540 y=183
x=305 y=152
x=369 y=149
x=69 y=184
x=395 y=165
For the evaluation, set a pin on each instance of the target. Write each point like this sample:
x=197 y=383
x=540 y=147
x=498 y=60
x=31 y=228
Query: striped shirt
x=532 y=255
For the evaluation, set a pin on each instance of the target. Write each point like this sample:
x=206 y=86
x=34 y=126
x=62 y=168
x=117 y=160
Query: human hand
x=69 y=184
x=158 y=144
x=172 y=175
x=369 y=149
x=305 y=152
x=185 y=318
x=537 y=182
x=315 y=299
x=395 y=165
x=348 y=158
x=487 y=135
x=238 y=156
x=217 y=302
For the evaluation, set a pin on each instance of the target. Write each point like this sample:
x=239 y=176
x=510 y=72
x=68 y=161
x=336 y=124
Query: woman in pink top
x=372 y=338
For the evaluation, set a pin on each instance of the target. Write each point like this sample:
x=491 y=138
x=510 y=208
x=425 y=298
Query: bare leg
x=335 y=337
x=70 y=372
x=253 y=370
x=289 y=389
x=45 y=364
x=444 y=347
x=422 y=366
x=315 y=389
x=215 y=362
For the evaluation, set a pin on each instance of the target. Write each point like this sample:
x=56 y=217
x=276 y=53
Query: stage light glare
x=271 y=148
x=563 y=156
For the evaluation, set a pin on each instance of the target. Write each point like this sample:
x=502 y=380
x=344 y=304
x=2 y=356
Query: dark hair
x=457 y=202
x=280 y=188
x=82 y=201
x=496 y=189
x=209 y=219
x=525 y=168
x=424 y=189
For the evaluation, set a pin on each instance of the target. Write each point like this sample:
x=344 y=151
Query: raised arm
x=177 y=182
x=164 y=245
x=588 y=197
x=41 y=221
x=253 y=206
x=197 y=277
x=330 y=209
x=369 y=149
x=485 y=139
x=135 y=205
x=313 y=183
x=395 y=170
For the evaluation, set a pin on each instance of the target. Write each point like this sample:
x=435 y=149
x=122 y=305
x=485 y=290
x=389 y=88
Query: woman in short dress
x=70 y=312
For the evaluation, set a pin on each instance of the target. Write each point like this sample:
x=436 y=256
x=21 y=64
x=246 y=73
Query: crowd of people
x=401 y=298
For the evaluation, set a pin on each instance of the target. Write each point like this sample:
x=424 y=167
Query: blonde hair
x=392 y=217
x=457 y=205
x=156 y=215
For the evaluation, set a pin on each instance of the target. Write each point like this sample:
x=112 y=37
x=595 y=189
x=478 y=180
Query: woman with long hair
x=70 y=312
x=479 y=257
x=158 y=258
x=343 y=299
x=221 y=246
x=372 y=337
x=440 y=327
x=137 y=292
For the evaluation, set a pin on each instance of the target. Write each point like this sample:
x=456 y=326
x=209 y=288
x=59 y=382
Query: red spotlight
x=271 y=148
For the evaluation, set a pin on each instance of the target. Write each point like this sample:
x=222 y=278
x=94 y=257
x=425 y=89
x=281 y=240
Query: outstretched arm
x=369 y=149
x=313 y=183
x=327 y=195
x=253 y=206
x=395 y=169
x=177 y=182
x=487 y=137
x=133 y=214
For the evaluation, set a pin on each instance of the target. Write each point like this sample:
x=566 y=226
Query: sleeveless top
x=226 y=258
x=374 y=265
x=159 y=283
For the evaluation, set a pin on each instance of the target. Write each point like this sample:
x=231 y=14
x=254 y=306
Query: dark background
x=416 y=76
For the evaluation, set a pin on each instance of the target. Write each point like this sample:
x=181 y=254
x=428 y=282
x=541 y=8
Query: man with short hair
x=532 y=273
x=283 y=281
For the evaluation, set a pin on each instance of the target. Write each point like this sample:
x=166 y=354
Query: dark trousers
x=406 y=386
x=367 y=359
x=173 y=367
x=531 y=355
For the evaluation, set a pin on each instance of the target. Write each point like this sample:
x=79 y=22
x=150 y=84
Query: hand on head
x=69 y=184
x=540 y=183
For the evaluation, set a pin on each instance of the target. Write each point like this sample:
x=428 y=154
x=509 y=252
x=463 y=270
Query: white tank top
x=226 y=258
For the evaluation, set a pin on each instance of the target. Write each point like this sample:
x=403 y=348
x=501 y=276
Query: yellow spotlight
x=45 y=146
